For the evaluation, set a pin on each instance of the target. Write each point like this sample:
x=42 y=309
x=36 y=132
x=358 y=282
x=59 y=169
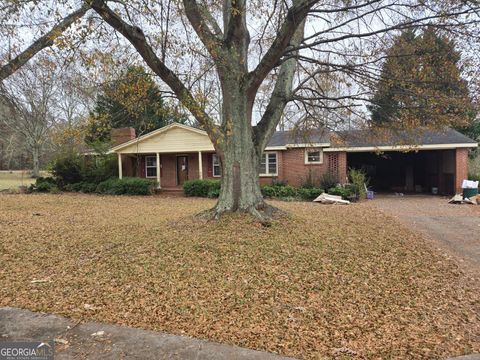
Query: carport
x=407 y=161
x=413 y=171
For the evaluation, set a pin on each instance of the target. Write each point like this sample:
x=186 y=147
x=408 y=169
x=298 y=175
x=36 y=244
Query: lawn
x=14 y=179
x=327 y=282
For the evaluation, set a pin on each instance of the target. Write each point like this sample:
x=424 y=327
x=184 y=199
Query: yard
x=14 y=179
x=327 y=282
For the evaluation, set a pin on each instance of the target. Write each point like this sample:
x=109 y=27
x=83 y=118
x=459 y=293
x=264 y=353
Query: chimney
x=121 y=135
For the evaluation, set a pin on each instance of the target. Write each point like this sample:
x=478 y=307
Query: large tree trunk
x=240 y=184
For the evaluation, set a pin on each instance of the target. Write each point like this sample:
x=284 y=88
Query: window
x=151 y=166
x=268 y=164
x=313 y=156
x=217 y=168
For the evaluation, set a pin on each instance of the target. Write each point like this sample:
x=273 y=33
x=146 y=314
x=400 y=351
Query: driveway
x=453 y=228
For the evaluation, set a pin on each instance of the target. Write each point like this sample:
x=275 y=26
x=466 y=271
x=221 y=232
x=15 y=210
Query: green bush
x=126 y=186
x=278 y=191
x=67 y=169
x=44 y=185
x=309 y=193
x=344 y=191
x=84 y=187
x=202 y=188
x=328 y=180
x=358 y=181
x=75 y=169
x=100 y=168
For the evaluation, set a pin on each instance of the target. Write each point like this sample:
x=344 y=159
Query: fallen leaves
x=327 y=282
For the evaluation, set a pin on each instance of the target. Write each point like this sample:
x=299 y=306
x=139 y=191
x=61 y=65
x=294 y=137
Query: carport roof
x=400 y=138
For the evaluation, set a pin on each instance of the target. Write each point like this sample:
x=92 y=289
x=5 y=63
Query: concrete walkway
x=75 y=340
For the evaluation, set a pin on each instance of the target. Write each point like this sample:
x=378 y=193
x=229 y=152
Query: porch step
x=177 y=191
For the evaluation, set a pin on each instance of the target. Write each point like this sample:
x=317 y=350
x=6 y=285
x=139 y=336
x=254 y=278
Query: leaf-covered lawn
x=329 y=281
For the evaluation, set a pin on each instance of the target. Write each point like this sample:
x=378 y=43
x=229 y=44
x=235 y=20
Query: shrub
x=309 y=193
x=84 y=187
x=44 y=185
x=74 y=169
x=67 y=169
x=358 y=181
x=126 y=186
x=328 y=180
x=202 y=188
x=344 y=191
x=100 y=168
x=279 y=191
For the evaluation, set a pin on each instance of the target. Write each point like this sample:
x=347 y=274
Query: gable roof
x=157 y=132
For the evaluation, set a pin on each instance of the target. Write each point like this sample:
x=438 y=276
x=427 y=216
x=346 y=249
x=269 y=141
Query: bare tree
x=238 y=46
x=27 y=98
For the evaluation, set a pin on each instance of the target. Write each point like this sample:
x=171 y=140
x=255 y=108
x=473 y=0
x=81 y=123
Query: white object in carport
x=469 y=184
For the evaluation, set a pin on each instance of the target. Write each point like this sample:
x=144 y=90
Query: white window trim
x=151 y=167
x=266 y=164
x=213 y=165
x=313 y=162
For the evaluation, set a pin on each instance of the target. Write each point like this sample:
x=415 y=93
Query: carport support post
x=200 y=167
x=159 y=186
x=120 y=166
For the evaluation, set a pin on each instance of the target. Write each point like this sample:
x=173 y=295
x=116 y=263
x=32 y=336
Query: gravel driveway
x=453 y=228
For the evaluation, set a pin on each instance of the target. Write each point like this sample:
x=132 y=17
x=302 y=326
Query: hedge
x=202 y=188
x=44 y=185
x=126 y=186
x=287 y=191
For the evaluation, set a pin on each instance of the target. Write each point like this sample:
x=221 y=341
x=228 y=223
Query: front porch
x=173 y=168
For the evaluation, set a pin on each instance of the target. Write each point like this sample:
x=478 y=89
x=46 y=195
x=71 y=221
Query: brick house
x=395 y=161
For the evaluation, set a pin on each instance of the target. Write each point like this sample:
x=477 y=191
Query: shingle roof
x=372 y=138
x=282 y=138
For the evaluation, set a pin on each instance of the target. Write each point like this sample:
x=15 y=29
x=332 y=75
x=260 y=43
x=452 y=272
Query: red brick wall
x=295 y=171
x=461 y=168
x=291 y=167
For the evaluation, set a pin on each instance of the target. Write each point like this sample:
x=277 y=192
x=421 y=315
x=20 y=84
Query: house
x=407 y=161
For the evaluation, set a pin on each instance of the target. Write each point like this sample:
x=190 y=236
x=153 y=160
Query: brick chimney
x=121 y=135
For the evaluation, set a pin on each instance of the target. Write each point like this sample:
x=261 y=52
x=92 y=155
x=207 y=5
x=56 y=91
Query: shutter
x=209 y=165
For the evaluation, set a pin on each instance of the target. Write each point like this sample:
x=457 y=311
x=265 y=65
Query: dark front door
x=182 y=169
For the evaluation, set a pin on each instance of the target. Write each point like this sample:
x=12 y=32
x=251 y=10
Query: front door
x=182 y=169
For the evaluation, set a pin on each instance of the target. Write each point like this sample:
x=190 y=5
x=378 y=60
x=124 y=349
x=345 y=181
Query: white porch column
x=120 y=175
x=200 y=166
x=158 y=171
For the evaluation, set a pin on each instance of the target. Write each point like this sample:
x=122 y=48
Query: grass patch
x=14 y=179
x=327 y=282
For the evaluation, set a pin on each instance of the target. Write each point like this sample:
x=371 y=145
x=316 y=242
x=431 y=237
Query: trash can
x=468 y=193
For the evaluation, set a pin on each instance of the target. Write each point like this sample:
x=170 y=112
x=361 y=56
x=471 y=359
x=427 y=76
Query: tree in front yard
x=252 y=59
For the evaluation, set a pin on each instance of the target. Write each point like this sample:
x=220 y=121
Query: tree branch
x=281 y=95
x=136 y=37
x=199 y=18
x=295 y=16
x=41 y=43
